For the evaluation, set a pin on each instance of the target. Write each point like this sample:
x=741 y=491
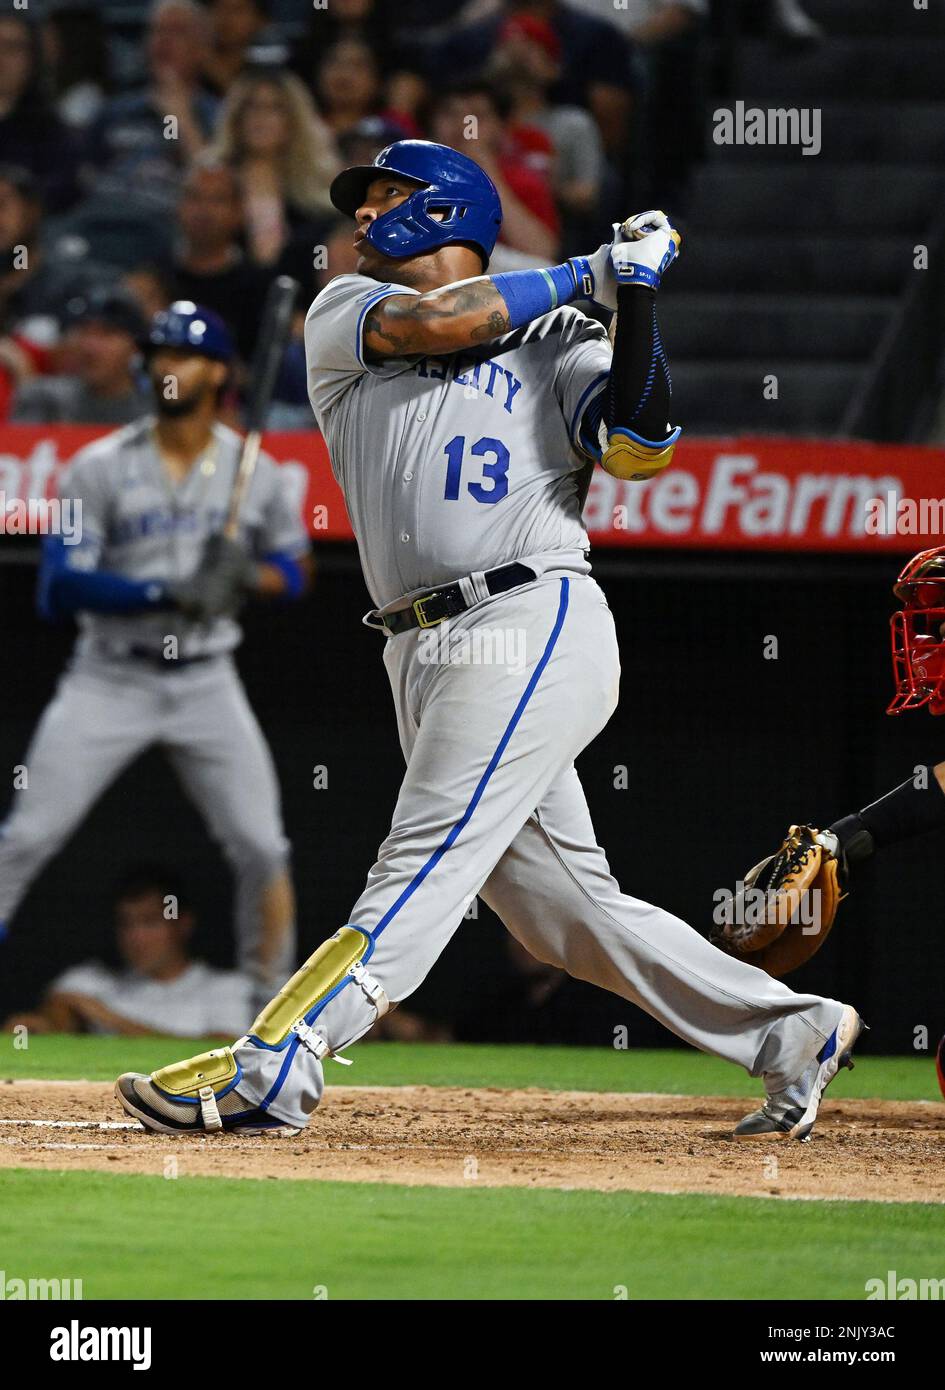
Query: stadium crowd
x=193 y=159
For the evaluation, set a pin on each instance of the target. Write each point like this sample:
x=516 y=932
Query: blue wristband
x=73 y=591
x=62 y=591
x=530 y=293
x=291 y=571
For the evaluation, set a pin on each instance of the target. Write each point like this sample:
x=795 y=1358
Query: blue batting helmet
x=451 y=184
x=188 y=325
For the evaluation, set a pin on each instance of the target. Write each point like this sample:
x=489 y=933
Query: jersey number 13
x=494 y=480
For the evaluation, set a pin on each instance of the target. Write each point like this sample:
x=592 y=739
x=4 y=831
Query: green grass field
x=675 y=1072
x=131 y=1236
x=135 y=1236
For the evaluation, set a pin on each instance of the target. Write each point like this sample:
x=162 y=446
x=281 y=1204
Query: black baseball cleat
x=790 y=1114
x=198 y=1096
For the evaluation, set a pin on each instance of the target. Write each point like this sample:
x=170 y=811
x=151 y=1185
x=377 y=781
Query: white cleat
x=790 y=1114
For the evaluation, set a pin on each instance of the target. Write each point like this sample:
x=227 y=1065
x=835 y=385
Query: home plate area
x=876 y=1150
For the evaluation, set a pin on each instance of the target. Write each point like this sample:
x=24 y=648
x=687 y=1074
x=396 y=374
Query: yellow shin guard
x=205 y=1078
x=216 y=1069
x=337 y=959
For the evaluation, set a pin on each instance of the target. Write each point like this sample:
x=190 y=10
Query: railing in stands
x=896 y=397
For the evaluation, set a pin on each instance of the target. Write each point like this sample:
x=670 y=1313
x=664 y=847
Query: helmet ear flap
x=420 y=224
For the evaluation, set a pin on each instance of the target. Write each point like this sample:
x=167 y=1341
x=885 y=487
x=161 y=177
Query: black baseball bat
x=270 y=346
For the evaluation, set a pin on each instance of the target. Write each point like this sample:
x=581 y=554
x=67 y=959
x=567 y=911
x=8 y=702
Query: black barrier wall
x=715 y=747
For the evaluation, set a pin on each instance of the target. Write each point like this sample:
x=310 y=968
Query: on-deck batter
x=153 y=663
x=460 y=413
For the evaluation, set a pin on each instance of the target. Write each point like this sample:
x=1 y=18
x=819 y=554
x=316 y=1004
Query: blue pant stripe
x=454 y=832
x=276 y=1086
x=463 y=821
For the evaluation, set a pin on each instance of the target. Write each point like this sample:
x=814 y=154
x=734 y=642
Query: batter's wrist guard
x=530 y=293
x=634 y=458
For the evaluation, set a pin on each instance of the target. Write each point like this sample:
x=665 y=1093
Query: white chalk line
x=99 y=1148
x=76 y=1124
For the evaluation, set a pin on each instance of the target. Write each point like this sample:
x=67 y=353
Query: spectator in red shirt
x=34 y=284
x=597 y=69
x=471 y=119
x=96 y=380
x=561 y=142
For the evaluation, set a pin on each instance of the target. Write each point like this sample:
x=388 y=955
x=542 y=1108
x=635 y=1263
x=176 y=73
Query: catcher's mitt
x=783 y=912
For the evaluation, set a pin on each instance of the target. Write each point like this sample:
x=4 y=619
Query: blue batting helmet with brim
x=452 y=186
x=188 y=325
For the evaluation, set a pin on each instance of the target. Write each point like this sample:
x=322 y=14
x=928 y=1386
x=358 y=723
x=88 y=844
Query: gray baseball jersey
x=112 y=704
x=137 y=523
x=451 y=465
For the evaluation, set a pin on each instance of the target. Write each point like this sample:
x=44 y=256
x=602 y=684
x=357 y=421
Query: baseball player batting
x=461 y=411
x=156 y=588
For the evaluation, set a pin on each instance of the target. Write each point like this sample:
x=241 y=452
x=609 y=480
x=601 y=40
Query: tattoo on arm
x=406 y=325
x=497 y=324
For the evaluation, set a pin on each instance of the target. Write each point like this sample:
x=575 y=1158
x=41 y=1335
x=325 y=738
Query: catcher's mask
x=918 y=644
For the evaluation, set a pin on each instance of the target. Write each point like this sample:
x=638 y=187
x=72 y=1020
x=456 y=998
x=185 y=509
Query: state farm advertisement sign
x=725 y=494
x=778 y=494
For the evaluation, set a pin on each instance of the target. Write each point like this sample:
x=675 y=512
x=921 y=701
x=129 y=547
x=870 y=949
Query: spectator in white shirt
x=159 y=987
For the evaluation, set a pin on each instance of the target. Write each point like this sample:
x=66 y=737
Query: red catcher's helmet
x=918 y=643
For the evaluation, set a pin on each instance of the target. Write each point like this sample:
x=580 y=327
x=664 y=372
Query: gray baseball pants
x=491 y=804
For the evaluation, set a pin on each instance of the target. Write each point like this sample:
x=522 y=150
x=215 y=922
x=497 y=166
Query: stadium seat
x=883 y=67
x=725 y=326
x=807 y=260
x=727 y=397
x=810 y=264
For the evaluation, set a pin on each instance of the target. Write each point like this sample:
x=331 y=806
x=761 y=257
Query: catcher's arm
x=786 y=905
